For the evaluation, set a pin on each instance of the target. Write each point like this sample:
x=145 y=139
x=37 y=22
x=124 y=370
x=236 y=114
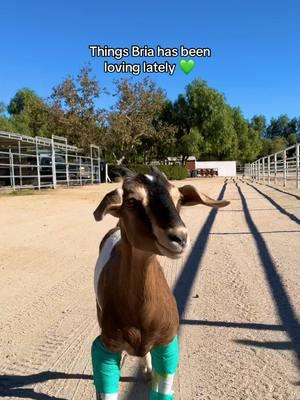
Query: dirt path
x=238 y=293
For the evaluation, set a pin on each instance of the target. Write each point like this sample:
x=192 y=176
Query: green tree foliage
x=241 y=127
x=283 y=127
x=29 y=113
x=278 y=144
x=190 y=144
x=143 y=125
x=292 y=139
x=258 y=124
x=205 y=109
x=5 y=123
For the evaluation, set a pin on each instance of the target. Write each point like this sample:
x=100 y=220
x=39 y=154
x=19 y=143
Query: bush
x=173 y=172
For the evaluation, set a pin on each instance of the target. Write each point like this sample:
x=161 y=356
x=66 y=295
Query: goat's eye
x=131 y=203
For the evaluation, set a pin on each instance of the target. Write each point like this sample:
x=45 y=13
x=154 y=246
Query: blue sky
x=255 y=46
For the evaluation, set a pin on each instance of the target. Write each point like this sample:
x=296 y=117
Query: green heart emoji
x=187 y=66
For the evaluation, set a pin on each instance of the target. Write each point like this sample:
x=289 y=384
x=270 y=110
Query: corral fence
x=38 y=162
x=282 y=168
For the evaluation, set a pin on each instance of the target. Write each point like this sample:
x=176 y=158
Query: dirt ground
x=238 y=292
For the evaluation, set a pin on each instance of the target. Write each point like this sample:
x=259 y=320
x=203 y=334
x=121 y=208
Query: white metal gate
x=280 y=168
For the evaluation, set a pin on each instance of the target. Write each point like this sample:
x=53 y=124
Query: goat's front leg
x=106 y=371
x=165 y=363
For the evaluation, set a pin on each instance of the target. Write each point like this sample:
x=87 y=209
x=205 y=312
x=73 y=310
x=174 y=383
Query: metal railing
x=282 y=167
x=47 y=162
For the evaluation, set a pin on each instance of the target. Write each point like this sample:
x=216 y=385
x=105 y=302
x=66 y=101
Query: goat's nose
x=178 y=236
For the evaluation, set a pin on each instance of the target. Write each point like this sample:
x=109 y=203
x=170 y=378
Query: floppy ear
x=123 y=172
x=110 y=204
x=191 y=197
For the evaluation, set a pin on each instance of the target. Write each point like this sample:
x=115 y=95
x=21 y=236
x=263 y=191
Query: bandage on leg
x=106 y=370
x=165 y=363
x=160 y=396
x=111 y=396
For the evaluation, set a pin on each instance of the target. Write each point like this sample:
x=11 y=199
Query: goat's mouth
x=176 y=252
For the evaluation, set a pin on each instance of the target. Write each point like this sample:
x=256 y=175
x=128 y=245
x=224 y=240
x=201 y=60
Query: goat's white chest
x=104 y=256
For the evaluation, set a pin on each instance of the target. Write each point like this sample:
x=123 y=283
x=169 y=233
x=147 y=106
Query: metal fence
x=37 y=162
x=279 y=168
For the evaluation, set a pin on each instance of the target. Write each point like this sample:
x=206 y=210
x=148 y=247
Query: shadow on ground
x=280 y=296
x=281 y=209
x=13 y=385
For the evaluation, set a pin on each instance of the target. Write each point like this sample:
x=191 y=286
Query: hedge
x=173 y=172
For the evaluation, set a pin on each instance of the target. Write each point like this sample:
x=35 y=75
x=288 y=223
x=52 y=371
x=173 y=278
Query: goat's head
x=148 y=208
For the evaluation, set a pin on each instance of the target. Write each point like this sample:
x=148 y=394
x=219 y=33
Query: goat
x=136 y=310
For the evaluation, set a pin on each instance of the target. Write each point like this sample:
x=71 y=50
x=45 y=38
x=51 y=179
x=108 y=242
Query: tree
x=205 y=109
x=279 y=144
x=73 y=113
x=242 y=131
x=29 y=113
x=292 y=139
x=278 y=127
x=190 y=144
x=259 y=125
x=5 y=123
x=135 y=123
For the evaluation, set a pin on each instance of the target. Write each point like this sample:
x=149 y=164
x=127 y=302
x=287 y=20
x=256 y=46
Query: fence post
x=99 y=166
x=80 y=173
x=38 y=163
x=258 y=170
x=269 y=168
x=263 y=169
x=297 y=165
x=92 y=165
x=67 y=165
x=20 y=163
x=275 y=168
x=12 y=172
x=106 y=174
x=53 y=165
x=284 y=168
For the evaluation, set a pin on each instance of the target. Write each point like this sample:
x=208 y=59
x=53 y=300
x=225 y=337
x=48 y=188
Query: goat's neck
x=138 y=267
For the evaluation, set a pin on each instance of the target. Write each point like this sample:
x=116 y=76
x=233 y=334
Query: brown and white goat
x=135 y=306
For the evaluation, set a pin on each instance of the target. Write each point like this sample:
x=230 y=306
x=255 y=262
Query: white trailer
x=224 y=168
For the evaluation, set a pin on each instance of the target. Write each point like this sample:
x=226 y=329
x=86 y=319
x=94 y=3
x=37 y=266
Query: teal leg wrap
x=160 y=396
x=165 y=358
x=106 y=368
x=165 y=363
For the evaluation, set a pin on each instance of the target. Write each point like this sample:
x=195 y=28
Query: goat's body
x=136 y=308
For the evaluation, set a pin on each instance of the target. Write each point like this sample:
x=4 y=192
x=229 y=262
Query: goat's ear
x=110 y=204
x=191 y=197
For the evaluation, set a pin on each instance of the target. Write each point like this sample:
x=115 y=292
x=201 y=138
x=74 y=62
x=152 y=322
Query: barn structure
x=37 y=162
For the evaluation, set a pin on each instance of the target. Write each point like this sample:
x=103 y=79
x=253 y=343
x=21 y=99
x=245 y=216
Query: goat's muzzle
x=173 y=242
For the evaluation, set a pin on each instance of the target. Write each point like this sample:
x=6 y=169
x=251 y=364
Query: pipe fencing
x=282 y=167
x=45 y=162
